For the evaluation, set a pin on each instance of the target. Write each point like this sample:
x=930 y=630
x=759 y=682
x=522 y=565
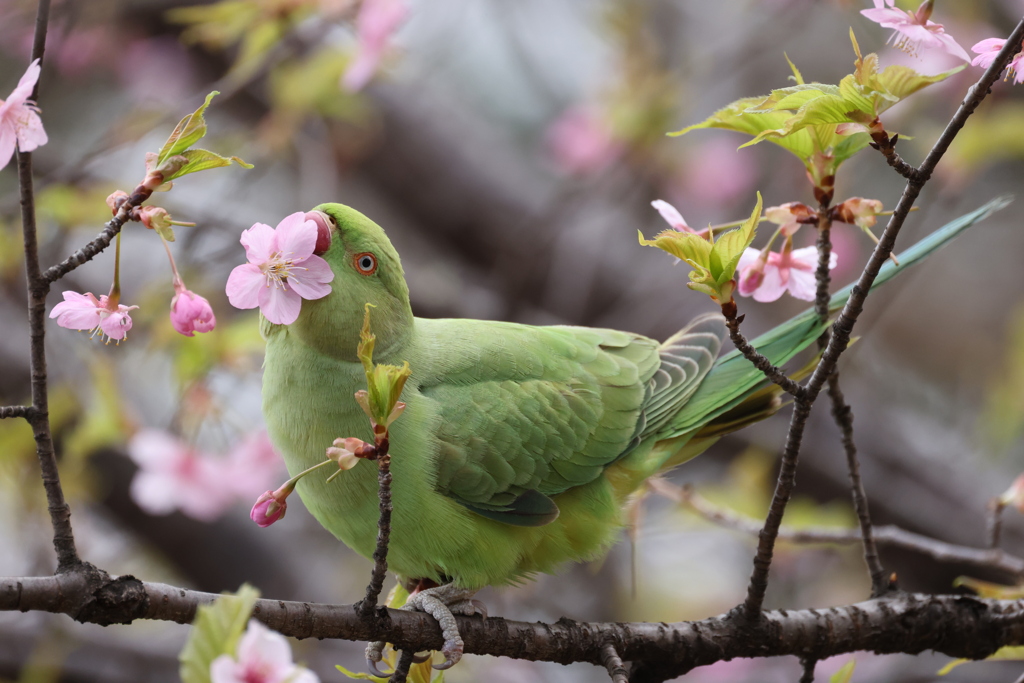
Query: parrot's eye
x=366 y=263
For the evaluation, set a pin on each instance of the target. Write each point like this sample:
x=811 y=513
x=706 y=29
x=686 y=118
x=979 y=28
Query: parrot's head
x=366 y=270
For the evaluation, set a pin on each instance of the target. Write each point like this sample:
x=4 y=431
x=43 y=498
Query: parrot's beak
x=324 y=226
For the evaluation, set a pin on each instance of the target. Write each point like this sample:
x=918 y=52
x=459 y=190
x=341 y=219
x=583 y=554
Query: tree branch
x=613 y=663
x=16 y=411
x=368 y=605
x=772 y=372
x=955 y=625
x=38 y=287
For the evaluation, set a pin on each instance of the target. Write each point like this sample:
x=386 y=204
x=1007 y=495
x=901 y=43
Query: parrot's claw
x=442 y=603
x=374 y=654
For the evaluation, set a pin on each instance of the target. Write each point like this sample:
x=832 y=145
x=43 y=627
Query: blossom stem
x=290 y=484
x=114 y=298
x=176 y=278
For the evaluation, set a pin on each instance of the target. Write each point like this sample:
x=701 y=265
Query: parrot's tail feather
x=686 y=358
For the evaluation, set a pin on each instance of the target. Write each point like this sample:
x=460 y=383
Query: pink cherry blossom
x=375 y=24
x=987 y=51
x=913 y=30
x=191 y=313
x=86 y=312
x=581 y=142
x=282 y=269
x=20 y=124
x=175 y=476
x=263 y=657
x=767 y=278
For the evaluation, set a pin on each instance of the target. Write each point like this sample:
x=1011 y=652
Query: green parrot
x=519 y=445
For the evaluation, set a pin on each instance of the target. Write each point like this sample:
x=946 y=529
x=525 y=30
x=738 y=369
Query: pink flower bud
x=323 y=231
x=268 y=509
x=191 y=313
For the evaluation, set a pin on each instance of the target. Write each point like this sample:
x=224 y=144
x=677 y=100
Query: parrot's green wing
x=733 y=377
x=530 y=412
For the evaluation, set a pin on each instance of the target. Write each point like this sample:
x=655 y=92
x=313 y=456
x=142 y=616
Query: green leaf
x=203 y=159
x=189 y=131
x=215 y=632
x=384 y=383
x=845 y=673
x=728 y=249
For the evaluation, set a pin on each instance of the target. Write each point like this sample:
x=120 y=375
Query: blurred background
x=511 y=151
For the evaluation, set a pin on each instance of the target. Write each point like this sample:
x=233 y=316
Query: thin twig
x=842 y=414
x=888 y=535
x=98 y=243
x=772 y=372
x=842 y=329
x=843 y=417
x=887 y=146
x=16 y=411
x=401 y=672
x=613 y=663
x=380 y=554
x=38 y=287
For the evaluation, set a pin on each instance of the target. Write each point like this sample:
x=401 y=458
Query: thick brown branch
x=890 y=536
x=955 y=625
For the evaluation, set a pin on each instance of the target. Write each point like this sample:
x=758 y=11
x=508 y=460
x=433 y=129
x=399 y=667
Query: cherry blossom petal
x=951 y=46
x=270 y=649
x=310 y=278
x=280 y=305
x=77 y=311
x=772 y=286
x=31 y=134
x=8 y=140
x=245 y=284
x=25 y=85
x=223 y=670
x=296 y=236
x=259 y=242
x=671 y=215
x=116 y=324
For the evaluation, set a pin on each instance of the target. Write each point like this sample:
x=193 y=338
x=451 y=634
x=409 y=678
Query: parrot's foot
x=442 y=603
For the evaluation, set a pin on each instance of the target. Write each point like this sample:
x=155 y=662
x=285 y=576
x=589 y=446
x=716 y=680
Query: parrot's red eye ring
x=365 y=263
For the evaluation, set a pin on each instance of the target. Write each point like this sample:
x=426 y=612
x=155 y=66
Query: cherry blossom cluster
x=766 y=275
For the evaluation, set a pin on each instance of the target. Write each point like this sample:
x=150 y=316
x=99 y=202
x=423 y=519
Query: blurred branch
x=884 y=535
x=955 y=625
